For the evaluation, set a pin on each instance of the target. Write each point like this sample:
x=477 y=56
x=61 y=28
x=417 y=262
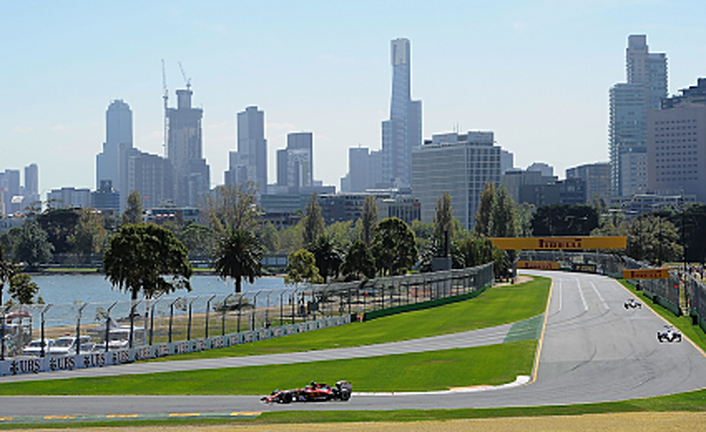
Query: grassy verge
x=683 y=323
x=427 y=371
x=496 y=306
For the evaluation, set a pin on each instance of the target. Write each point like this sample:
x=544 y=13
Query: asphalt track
x=592 y=350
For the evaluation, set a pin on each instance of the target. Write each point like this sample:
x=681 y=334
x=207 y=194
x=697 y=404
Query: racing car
x=669 y=334
x=311 y=393
x=631 y=303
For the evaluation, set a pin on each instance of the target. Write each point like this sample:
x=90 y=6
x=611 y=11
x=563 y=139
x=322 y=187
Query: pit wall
x=26 y=365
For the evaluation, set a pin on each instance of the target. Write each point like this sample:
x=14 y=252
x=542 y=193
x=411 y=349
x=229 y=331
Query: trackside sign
x=559 y=243
x=661 y=273
x=538 y=265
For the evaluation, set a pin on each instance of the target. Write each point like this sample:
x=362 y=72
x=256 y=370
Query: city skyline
x=540 y=83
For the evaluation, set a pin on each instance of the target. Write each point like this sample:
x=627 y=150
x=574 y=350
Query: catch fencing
x=124 y=331
x=696 y=299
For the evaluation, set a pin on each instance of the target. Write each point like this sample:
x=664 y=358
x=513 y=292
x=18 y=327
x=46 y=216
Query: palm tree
x=7 y=271
x=238 y=255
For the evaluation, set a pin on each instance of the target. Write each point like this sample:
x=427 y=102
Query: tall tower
x=403 y=131
x=31 y=184
x=111 y=164
x=252 y=146
x=646 y=75
x=184 y=150
x=294 y=163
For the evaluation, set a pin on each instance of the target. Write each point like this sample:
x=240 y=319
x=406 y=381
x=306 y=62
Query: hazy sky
x=537 y=73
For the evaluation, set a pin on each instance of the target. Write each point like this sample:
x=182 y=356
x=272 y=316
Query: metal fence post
x=254 y=311
x=43 y=344
x=107 y=326
x=171 y=317
x=152 y=319
x=208 y=312
x=223 y=316
x=188 y=328
x=78 y=328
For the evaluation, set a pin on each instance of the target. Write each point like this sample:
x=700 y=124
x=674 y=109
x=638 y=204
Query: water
x=57 y=289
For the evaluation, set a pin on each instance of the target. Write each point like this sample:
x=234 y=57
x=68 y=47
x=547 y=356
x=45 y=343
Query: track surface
x=593 y=350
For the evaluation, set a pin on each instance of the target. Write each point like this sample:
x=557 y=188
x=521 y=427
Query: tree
x=564 y=220
x=7 y=272
x=369 y=219
x=694 y=221
x=482 y=224
x=394 y=247
x=327 y=255
x=523 y=219
x=291 y=238
x=33 y=246
x=133 y=209
x=196 y=238
x=502 y=224
x=301 y=267
x=475 y=251
x=653 y=239
x=23 y=290
x=423 y=234
x=343 y=233
x=314 y=225
x=59 y=224
x=232 y=207
x=147 y=259
x=443 y=221
x=238 y=255
x=359 y=262
x=89 y=235
x=269 y=237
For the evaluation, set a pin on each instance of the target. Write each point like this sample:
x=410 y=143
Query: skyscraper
x=403 y=131
x=630 y=102
x=252 y=146
x=31 y=192
x=111 y=164
x=184 y=150
x=294 y=163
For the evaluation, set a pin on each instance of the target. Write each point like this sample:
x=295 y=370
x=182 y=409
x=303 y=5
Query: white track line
x=561 y=286
x=605 y=305
x=583 y=299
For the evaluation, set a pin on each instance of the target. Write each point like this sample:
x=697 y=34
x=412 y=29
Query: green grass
x=683 y=323
x=427 y=371
x=496 y=306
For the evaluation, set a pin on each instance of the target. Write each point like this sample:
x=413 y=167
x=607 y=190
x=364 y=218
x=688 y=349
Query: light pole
x=107 y=326
x=208 y=312
x=44 y=311
x=78 y=328
x=152 y=318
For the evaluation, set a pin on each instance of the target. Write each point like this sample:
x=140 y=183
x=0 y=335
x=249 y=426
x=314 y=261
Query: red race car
x=311 y=393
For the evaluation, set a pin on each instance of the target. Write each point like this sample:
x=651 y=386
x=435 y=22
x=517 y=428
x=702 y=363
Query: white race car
x=631 y=303
x=669 y=334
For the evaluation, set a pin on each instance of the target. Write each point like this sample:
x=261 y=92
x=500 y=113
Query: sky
x=536 y=73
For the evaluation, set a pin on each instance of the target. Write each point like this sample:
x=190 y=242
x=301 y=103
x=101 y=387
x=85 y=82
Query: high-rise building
x=507 y=161
x=31 y=192
x=252 y=147
x=111 y=163
x=458 y=164
x=364 y=169
x=597 y=178
x=185 y=151
x=69 y=197
x=646 y=75
x=152 y=176
x=294 y=163
x=10 y=191
x=676 y=145
x=106 y=198
x=403 y=131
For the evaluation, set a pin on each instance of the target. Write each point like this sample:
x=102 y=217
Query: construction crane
x=165 y=96
x=187 y=81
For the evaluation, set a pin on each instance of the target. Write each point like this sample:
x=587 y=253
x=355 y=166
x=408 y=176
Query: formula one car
x=631 y=303
x=670 y=334
x=311 y=393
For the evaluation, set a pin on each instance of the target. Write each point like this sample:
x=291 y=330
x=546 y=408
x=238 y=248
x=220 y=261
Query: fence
x=189 y=323
x=696 y=299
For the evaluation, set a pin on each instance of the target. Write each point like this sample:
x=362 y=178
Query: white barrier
x=25 y=365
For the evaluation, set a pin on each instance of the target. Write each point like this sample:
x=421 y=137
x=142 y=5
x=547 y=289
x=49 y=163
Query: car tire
x=345 y=396
x=286 y=398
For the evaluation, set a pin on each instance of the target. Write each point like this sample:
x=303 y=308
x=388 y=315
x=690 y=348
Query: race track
x=593 y=350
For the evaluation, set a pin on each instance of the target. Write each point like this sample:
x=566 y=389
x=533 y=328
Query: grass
x=496 y=306
x=427 y=371
x=683 y=323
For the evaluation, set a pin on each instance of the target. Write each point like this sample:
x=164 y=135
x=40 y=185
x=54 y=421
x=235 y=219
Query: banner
x=559 y=243
x=661 y=273
x=538 y=265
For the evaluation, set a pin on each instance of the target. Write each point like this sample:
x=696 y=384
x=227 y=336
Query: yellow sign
x=559 y=243
x=538 y=265
x=661 y=273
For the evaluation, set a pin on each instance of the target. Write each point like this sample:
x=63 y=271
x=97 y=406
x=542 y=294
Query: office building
x=460 y=164
x=571 y=191
x=111 y=163
x=185 y=151
x=364 y=169
x=106 y=198
x=516 y=179
x=69 y=197
x=152 y=176
x=294 y=163
x=252 y=148
x=11 y=201
x=403 y=131
x=646 y=85
x=597 y=178
x=507 y=161
x=676 y=147
x=31 y=185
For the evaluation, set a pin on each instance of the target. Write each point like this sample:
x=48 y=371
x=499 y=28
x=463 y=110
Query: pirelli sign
x=560 y=243
x=538 y=265
x=661 y=273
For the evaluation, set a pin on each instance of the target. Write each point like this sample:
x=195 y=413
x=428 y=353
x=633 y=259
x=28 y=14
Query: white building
x=460 y=164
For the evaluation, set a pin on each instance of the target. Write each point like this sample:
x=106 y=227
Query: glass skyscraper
x=403 y=131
